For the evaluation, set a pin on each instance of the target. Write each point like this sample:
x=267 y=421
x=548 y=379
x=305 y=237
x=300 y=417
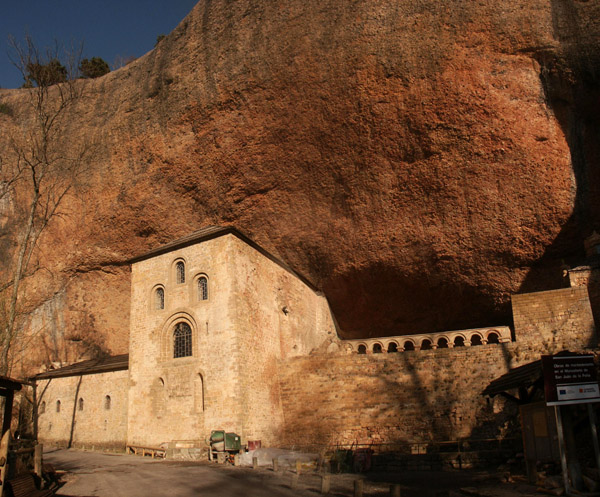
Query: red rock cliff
x=419 y=161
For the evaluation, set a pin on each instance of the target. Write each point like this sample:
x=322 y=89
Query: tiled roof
x=195 y=237
x=91 y=366
x=211 y=232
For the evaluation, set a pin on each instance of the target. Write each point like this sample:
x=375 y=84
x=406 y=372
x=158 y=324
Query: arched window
x=182 y=340
x=426 y=344
x=459 y=341
x=159 y=298
x=442 y=343
x=180 y=272
x=475 y=340
x=202 y=288
x=408 y=345
x=392 y=347
x=377 y=348
x=42 y=407
x=493 y=338
x=58 y=406
x=362 y=349
x=80 y=404
x=107 y=402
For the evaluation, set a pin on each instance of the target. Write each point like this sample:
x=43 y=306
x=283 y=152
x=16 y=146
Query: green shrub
x=45 y=74
x=94 y=67
x=6 y=109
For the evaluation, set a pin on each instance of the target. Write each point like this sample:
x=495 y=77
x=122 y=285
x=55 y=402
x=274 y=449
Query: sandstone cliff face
x=419 y=161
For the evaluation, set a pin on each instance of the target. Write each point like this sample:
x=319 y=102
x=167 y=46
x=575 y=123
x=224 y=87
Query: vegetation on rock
x=6 y=109
x=48 y=74
x=93 y=68
x=38 y=171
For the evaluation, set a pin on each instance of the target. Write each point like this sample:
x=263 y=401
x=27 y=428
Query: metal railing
x=416 y=448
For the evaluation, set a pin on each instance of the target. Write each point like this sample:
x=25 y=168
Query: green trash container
x=233 y=442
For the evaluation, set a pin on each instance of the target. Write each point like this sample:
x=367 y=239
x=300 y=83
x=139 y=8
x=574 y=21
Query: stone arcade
x=224 y=335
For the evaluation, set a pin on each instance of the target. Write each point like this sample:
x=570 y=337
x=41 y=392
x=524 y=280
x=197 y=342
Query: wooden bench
x=24 y=486
x=147 y=451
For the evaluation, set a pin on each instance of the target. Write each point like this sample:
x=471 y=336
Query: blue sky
x=110 y=29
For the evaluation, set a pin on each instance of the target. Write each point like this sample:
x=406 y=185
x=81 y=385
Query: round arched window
x=159 y=298
x=182 y=340
x=202 y=288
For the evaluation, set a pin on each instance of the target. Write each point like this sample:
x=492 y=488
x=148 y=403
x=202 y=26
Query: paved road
x=116 y=475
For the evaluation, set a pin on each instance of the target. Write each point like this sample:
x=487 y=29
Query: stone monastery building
x=224 y=335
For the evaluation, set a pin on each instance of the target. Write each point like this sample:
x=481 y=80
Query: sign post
x=570 y=379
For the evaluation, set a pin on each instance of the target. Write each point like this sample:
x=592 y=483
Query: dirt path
x=115 y=475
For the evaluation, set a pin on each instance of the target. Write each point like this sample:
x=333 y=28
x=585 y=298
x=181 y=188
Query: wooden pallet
x=147 y=451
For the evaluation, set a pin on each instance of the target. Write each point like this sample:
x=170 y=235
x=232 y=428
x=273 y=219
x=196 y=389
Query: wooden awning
x=7 y=383
x=522 y=377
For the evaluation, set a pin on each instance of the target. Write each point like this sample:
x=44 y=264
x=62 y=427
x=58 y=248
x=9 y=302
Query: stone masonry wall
x=183 y=398
x=588 y=277
x=266 y=363
x=256 y=313
x=276 y=316
x=425 y=395
x=92 y=423
x=401 y=397
x=554 y=320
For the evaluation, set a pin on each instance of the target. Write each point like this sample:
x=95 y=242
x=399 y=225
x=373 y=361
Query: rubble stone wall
x=403 y=397
x=425 y=395
x=588 y=277
x=554 y=320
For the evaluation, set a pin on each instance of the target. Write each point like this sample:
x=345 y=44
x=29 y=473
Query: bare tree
x=37 y=171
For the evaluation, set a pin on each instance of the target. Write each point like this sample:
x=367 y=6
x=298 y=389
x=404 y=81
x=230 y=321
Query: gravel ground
x=120 y=475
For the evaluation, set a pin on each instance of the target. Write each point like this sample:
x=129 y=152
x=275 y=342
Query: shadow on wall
x=399 y=398
x=76 y=405
x=426 y=303
x=571 y=80
x=445 y=396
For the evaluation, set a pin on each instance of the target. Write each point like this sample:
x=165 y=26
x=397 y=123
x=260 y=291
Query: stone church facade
x=224 y=335
x=212 y=315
